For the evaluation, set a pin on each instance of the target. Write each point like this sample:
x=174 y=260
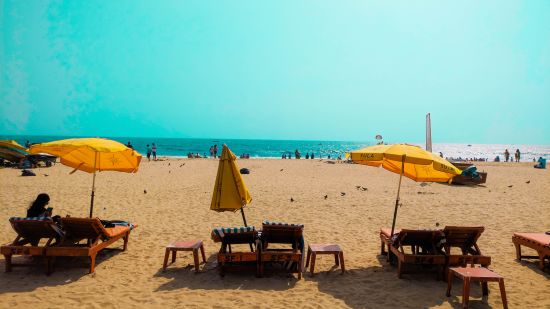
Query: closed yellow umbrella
x=91 y=155
x=230 y=191
x=406 y=160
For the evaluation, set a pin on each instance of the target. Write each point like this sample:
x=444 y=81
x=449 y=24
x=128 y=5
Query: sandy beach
x=176 y=206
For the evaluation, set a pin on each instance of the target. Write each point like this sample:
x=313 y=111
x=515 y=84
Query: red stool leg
x=336 y=259
x=173 y=256
x=343 y=265
x=503 y=293
x=312 y=266
x=308 y=257
x=202 y=253
x=196 y=259
x=166 y=254
x=449 y=283
x=466 y=293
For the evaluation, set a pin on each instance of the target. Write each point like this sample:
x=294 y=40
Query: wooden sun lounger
x=96 y=237
x=422 y=250
x=385 y=239
x=30 y=232
x=539 y=242
x=290 y=259
x=465 y=239
x=237 y=260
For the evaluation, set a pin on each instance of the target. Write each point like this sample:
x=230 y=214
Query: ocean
x=180 y=147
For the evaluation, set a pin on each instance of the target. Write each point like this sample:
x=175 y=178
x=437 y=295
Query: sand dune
x=176 y=206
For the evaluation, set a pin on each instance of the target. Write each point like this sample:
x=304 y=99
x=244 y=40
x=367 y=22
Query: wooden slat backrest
x=240 y=238
x=34 y=229
x=83 y=228
x=462 y=237
x=282 y=234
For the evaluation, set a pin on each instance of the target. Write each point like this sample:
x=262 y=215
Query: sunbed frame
x=291 y=258
x=465 y=239
x=530 y=240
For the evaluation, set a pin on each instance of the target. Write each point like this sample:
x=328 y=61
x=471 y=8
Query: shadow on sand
x=66 y=271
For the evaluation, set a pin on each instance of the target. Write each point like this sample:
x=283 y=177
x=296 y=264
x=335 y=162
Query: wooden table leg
x=485 y=288
x=166 y=254
x=308 y=257
x=8 y=262
x=449 y=282
x=466 y=293
x=503 y=293
x=202 y=253
x=312 y=266
x=173 y=256
x=196 y=259
x=518 y=251
x=343 y=265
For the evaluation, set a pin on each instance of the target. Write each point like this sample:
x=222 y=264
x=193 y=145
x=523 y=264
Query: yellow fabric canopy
x=92 y=154
x=11 y=144
x=230 y=191
x=420 y=165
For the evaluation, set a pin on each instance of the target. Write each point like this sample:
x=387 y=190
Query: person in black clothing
x=38 y=207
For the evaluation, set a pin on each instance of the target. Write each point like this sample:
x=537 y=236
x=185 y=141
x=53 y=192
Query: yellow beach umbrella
x=406 y=160
x=230 y=191
x=11 y=144
x=91 y=155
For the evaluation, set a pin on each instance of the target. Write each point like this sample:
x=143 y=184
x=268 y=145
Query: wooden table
x=314 y=249
x=480 y=274
x=185 y=245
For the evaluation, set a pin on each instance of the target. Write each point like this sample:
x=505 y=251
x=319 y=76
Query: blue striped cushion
x=30 y=219
x=266 y=222
x=219 y=232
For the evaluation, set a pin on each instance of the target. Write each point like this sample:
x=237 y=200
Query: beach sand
x=176 y=206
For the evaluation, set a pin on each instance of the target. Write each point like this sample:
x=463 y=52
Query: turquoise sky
x=322 y=70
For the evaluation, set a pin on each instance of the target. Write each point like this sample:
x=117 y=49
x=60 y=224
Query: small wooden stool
x=481 y=274
x=314 y=249
x=185 y=245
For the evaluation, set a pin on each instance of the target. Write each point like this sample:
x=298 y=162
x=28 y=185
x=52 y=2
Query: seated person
x=541 y=163
x=38 y=207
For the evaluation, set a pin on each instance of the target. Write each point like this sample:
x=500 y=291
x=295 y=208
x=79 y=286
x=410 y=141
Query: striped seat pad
x=13 y=219
x=219 y=232
x=267 y=222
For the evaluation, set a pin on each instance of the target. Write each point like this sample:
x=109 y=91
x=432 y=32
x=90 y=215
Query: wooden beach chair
x=231 y=260
x=465 y=239
x=87 y=237
x=539 y=242
x=385 y=239
x=289 y=260
x=34 y=235
x=418 y=247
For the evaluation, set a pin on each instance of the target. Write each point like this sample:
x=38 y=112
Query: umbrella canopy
x=419 y=165
x=411 y=161
x=12 y=151
x=11 y=144
x=91 y=155
x=230 y=191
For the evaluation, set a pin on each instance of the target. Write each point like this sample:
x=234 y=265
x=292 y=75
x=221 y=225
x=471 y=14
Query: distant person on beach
x=307 y=155
x=148 y=152
x=28 y=144
x=506 y=155
x=211 y=151
x=312 y=156
x=541 y=163
x=497 y=159
x=518 y=155
x=297 y=154
x=215 y=150
x=154 y=151
x=129 y=145
x=441 y=154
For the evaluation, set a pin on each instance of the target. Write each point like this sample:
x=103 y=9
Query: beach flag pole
x=398 y=191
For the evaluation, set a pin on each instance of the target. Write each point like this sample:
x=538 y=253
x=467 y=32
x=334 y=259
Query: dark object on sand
x=326 y=196
x=342 y=193
x=27 y=173
x=144 y=191
x=291 y=200
x=528 y=181
x=244 y=170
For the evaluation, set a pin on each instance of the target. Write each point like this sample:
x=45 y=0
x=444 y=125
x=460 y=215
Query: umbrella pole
x=93 y=188
x=244 y=219
x=398 y=191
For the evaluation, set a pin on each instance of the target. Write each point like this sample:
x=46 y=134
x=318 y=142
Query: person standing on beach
x=148 y=153
x=518 y=155
x=215 y=151
x=506 y=155
x=211 y=151
x=154 y=149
